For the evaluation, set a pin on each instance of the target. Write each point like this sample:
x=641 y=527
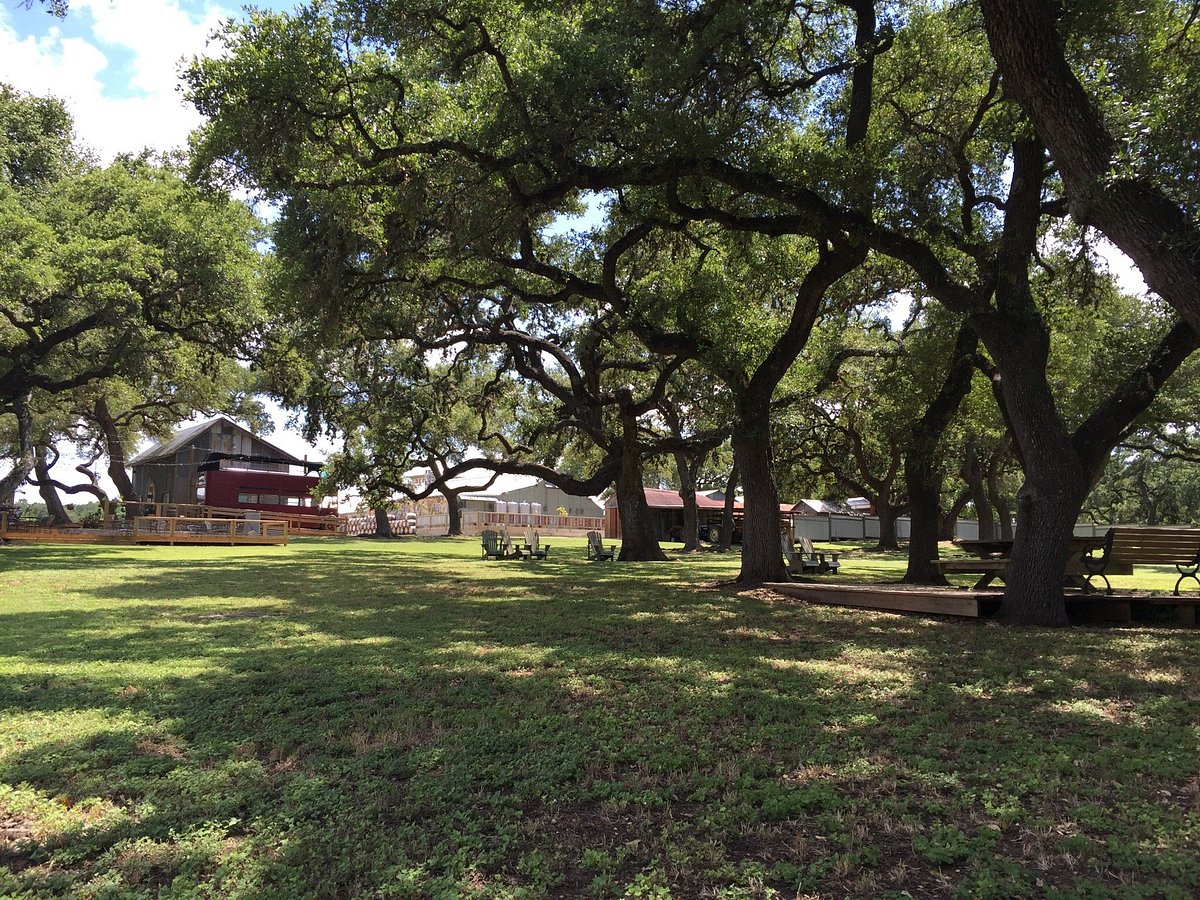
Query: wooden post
x=136 y=519
x=3 y=523
x=171 y=531
x=233 y=531
x=285 y=533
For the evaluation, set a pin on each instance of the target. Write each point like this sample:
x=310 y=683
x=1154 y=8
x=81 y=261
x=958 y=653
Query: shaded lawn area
x=348 y=718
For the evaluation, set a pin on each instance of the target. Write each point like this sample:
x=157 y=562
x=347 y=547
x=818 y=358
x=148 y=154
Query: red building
x=221 y=464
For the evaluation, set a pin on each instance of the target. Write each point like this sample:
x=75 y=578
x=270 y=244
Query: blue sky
x=115 y=63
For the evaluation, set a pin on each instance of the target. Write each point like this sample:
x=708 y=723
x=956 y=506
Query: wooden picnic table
x=991 y=560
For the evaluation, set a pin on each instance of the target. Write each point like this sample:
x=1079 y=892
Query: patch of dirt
x=161 y=747
x=16 y=837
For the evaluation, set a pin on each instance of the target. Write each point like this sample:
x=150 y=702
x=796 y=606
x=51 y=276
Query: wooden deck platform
x=155 y=530
x=942 y=601
x=1094 y=607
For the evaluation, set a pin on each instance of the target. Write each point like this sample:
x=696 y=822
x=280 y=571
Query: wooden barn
x=221 y=464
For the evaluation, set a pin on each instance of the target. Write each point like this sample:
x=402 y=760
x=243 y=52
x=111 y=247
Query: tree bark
x=996 y=495
x=453 y=512
x=727 y=510
x=923 y=475
x=115 y=449
x=972 y=474
x=949 y=519
x=762 y=560
x=54 y=505
x=383 y=525
x=639 y=540
x=923 y=470
x=1060 y=467
x=25 y=460
x=1150 y=227
x=887 y=514
x=686 y=469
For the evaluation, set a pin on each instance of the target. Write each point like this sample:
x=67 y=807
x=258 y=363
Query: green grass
x=401 y=719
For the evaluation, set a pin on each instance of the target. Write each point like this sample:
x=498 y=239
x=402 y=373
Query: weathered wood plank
x=950 y=603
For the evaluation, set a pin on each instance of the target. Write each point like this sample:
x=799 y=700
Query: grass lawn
x=351 y=718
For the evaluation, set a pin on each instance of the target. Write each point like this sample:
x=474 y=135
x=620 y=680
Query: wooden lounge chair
x=823 y=566
x=534 y=549
x=595 y=548
x=798 y=563
x=492 y=548
x=507 y=549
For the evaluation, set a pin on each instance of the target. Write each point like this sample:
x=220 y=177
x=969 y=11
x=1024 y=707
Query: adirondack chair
x=798 y=564
x=492 y=548
x=823 y=566
x=534 y=549
x=506 y=545
x=595 y=548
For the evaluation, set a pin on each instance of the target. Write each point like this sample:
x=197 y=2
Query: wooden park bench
x=1125 y=547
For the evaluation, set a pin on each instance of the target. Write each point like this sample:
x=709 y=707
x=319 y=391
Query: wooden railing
x=296 y=521
x=185 y=530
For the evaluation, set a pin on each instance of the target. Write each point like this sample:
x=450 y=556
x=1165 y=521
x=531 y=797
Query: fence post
x=171 y=531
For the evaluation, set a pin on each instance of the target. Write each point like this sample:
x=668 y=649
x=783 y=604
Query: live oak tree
x=458 y=133
x=1060 y=459
x=462 y=131
x=103 y=269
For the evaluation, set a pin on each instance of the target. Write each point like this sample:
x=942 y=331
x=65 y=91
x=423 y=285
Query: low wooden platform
x=1091 y=607
x=941 y=601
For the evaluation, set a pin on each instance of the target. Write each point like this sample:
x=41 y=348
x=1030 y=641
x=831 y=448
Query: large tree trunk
x=383 y=525
x=996 y=495
x=887 y=514
x=25 y=460
x=972 y=473
x=639 y=539
x=762 y=560
x=727 y=510
x=687 y=490
x=453 y=512
x=949 y=519
x=923 y=463
x=115 y=450
x=54 y=505
x=923 y=474
x=1060 y=467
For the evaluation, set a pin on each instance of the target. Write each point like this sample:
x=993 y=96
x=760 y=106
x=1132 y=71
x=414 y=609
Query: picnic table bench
x=1125 y=547
x=991 y=561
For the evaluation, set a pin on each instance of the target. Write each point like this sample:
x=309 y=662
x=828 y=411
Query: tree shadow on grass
x=364 y=723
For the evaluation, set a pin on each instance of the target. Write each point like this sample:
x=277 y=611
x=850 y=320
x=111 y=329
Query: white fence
x=835 y=527
x=474 y=521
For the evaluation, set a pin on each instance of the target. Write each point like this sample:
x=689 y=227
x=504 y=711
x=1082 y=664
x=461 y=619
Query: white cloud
x=119 y=79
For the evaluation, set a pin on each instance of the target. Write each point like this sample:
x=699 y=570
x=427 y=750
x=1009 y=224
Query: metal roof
x=184 y=438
